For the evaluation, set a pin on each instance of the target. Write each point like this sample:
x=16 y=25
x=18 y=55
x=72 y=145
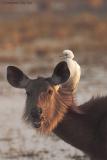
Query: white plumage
x=74 y=68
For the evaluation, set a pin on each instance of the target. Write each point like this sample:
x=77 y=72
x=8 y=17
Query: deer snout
x=36 y=117
x=36 y=113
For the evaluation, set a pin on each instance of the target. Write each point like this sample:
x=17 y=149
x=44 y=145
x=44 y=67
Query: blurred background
x=33 y=34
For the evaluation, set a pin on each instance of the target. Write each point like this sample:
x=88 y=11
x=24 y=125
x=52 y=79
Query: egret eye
x=28 y=93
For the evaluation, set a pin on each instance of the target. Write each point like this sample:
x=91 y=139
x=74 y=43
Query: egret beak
x=56 y=87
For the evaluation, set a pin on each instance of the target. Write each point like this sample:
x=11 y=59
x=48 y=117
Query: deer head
x=46 y=102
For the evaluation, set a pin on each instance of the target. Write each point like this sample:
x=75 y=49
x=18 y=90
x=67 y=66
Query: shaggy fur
x=54 y=107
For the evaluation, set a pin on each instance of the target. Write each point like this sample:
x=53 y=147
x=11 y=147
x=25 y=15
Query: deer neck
x=75 y=130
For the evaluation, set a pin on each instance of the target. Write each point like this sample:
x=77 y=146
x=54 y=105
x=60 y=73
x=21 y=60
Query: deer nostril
x=39 y=110
x=33 y=113
x=36 y=112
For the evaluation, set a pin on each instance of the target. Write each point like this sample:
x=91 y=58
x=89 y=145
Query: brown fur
x=54 y=108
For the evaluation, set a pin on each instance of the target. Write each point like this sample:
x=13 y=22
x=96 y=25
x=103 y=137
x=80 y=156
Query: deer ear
x=16 y=77
x=61 y=73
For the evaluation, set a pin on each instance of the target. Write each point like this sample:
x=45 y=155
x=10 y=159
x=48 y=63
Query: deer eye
x=50 y=91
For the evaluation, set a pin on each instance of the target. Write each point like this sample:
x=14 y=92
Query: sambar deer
x=50 y=106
